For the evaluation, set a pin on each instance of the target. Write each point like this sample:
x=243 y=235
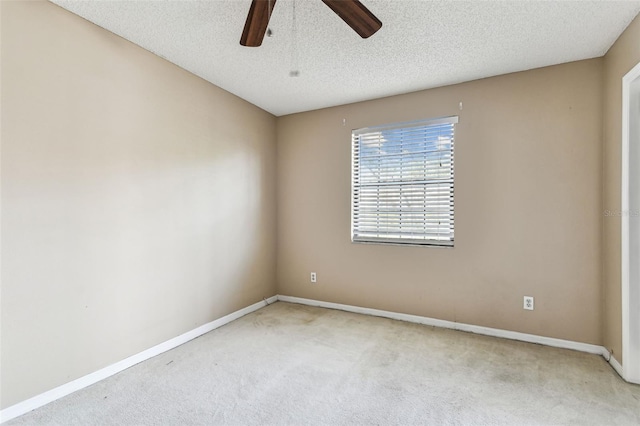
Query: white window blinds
x=402 y=183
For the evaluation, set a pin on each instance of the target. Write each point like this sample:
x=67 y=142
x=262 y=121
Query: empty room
x=291 y=212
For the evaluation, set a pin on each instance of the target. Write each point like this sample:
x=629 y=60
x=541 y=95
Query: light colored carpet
x=293 y=364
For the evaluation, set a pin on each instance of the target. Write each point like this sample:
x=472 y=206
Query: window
x=402 y=183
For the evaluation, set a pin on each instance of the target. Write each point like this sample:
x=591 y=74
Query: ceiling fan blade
x=356 y=16
x=257 y=22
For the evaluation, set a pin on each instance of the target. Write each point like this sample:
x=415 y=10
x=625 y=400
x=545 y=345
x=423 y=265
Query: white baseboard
x=75 y=385
x=487 y=331
x=615 y=364
x=68 y=388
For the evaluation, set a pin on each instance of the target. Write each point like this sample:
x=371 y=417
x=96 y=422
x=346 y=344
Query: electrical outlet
x=528 y=303
x=314 y=277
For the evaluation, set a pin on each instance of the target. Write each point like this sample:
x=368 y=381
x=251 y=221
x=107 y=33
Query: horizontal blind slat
x=403 y=182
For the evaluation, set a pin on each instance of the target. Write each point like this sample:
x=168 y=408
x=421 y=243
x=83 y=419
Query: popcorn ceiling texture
x=422 y=44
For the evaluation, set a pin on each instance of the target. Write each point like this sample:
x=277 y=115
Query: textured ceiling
x=422 y=44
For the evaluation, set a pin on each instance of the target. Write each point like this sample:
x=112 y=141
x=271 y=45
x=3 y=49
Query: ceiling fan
x=354 y=13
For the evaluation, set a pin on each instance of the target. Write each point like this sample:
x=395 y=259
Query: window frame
x=422 y=242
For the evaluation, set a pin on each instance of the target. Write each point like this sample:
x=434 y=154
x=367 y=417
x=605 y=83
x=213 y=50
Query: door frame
x=630 y=244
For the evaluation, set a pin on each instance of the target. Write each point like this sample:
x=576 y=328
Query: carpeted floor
x=296 y=365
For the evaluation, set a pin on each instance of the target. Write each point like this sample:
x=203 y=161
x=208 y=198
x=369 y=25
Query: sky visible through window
x=404 y=183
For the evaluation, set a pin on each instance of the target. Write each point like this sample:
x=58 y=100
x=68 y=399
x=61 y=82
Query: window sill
x=405 y=244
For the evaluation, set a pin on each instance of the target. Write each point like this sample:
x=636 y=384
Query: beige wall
x=623 y=55
x=138 y=201
x=527 y=206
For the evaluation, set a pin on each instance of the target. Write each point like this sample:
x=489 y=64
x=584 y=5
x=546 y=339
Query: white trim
x=487 y=331
x=613 y=361
x=616 y=365
x=630 y=350
x=75 y=385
